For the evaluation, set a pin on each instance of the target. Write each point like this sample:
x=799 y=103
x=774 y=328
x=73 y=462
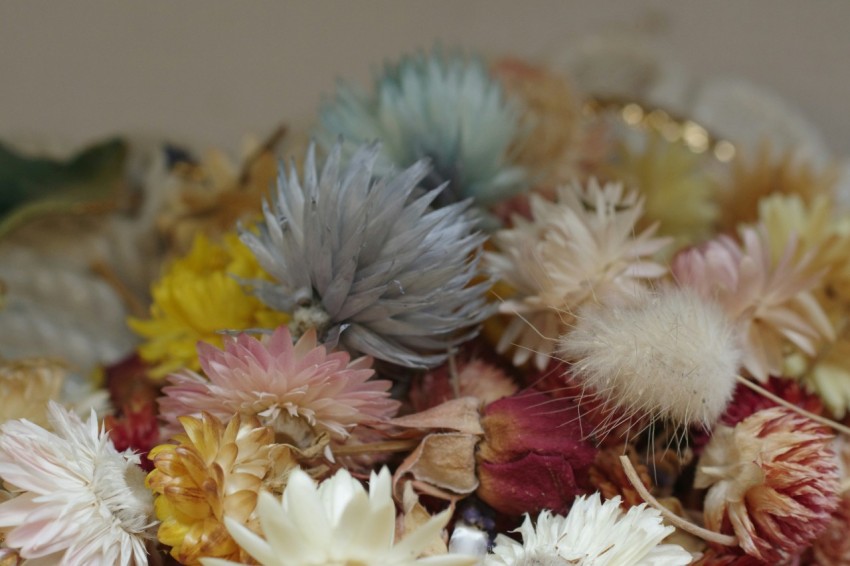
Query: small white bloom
x=81 y=501
x=594 y=533
x=336 y=524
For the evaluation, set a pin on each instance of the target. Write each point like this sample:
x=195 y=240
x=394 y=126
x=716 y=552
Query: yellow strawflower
x=196 y=299
x=211 y=472
x=675 y=186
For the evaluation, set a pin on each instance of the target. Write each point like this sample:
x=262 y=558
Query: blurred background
x=208 y=72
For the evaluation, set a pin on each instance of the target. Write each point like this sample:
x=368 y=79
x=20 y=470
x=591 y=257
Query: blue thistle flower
x=446 y=108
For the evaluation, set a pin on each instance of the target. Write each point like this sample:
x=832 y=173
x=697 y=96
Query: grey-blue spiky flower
x=364 y=258
x=444 y=107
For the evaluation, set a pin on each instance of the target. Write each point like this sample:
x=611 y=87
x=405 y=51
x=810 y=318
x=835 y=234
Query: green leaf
x=34 y=186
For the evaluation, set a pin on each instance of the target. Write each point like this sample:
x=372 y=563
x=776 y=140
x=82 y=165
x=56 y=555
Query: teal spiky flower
x=367 y=263
x=446 y=108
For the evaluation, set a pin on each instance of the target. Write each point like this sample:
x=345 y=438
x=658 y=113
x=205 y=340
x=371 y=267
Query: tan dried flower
x=551 y=115
x=213 y=471
x=772 y=480
x=26 y=386
x=754 y=178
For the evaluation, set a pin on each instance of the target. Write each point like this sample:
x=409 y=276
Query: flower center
x=308 y=316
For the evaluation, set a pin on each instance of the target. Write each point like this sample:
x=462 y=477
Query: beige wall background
x=210 y=71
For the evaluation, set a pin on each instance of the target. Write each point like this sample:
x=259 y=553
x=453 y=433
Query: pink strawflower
x=771 y=302
x=772 y=481
x=300 y=390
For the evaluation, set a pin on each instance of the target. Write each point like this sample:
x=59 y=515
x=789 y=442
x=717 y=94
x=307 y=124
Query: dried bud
x=533 y=456
x=773 y=481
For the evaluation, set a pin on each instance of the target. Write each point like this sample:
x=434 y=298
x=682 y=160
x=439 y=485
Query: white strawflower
x=336 y=523
x=357 y=256
x=443 y=107
x=671 y=356
x=594 y=533
x=79 y=500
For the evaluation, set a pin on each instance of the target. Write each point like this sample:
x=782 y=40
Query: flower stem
x=685 y=525
x=838 y=427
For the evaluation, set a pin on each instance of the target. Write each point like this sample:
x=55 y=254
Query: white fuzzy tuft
x=672 y=356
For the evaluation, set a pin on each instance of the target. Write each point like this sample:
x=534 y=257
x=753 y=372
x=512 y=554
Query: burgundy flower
x=532 y=457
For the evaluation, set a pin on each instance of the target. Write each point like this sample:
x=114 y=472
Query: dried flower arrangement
x=495 y=314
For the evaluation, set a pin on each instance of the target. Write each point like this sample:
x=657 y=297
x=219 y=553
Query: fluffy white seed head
x=670 y=356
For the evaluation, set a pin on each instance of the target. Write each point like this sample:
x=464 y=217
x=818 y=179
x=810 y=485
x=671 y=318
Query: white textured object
x=672 y=356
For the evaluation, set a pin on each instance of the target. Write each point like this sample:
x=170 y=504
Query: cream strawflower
x=81 y=501
x=583 y=247
x=299 y=390
x=594 y=533
x=336 y=524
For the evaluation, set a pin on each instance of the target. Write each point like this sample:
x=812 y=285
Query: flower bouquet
x=484 y=312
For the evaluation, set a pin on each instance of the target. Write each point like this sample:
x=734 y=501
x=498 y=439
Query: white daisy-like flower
x=584 y=247
x=594 y=533
x=79 y=500
x=336 y=524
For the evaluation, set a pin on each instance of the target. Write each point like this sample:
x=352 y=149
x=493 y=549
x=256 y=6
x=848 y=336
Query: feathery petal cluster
x=336 y=523
x=196 y=298
x=594 y=532
x=756 y=177
x=671 y=356
x=770 y=301
x=579 y=249
x=26 y=387
x=365 y=262
x=445 y=108
x=210 y=472
x=80 y=501
x=677 y=189
x=773 y=481
x=295 y=389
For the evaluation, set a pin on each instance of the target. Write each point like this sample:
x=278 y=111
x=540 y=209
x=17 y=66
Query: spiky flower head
x=299 y=390
x=358 y=256
x=211 y=471
x=773 y=481
x=78 y=500
x=581 y=248
x=594 y=532
x=770 y=301
x=443 y=107
x=337 y=522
